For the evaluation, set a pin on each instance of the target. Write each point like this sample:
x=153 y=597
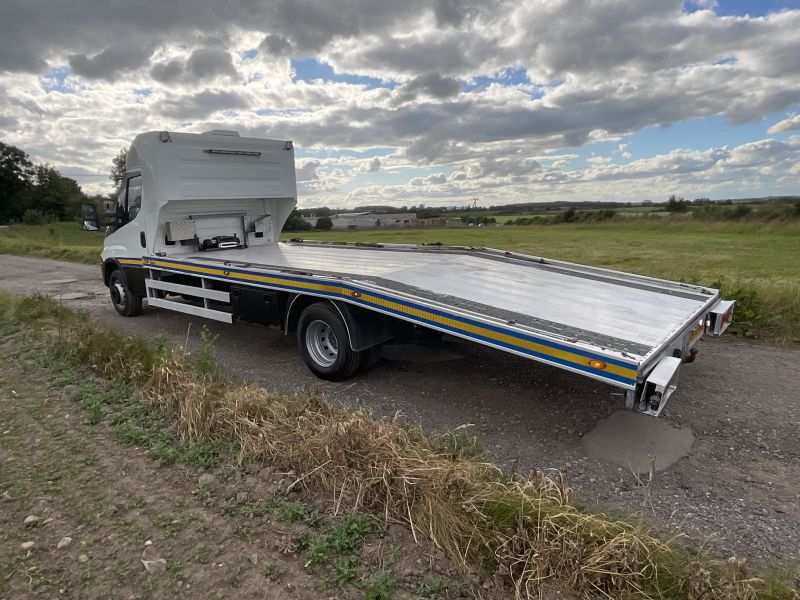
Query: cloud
x=276 y=45
x=371 y=166
x=168 y=71
x=307 y=171
x=789 y=124
x=202 y=64
x=431 y=84
x=202 y=104
x=210 y=62
x=111 y=62
x=8 y=123
x=480 y=92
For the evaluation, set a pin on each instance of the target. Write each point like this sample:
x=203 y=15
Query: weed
x=204 y=358
x=164 y=452
x=274 y=573
x=380 y=586
x=170 y=527
x=348 y=535
x=202 y=555
x=201 y=455
x=458 y=444
x=228 y=507
x=291 y=512
x=314 y=518
x=316 y=550
x=257 y=509
x=432 y=587
x=345 y=568
x=392 y=554
x=133 y=434
x=436 y=588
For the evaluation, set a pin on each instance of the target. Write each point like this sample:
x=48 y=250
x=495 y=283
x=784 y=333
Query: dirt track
x=738 y=489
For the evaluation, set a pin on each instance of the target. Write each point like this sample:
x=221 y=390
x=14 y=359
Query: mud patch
x=632 y=440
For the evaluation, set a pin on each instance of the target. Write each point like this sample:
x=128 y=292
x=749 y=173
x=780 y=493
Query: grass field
x=757 y=264
x=65 y=241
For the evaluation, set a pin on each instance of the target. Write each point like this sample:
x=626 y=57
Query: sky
x=432 y=102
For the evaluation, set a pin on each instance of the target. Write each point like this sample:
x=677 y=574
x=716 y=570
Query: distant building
x=372 y=220
x=369 y=220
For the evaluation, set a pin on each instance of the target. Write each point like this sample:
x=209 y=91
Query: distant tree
x=323 y=223
x=569 y=215
x=676 y=204
x=428 y=213
x=118 y=167
x=33 y=217
x=322 y=211
x=57 y=196
x=16 y=176
x=296 y=222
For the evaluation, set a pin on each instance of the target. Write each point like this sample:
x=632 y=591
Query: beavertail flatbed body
x=627 y=330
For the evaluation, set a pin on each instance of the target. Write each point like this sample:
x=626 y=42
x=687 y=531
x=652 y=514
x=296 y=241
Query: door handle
x=142 y=239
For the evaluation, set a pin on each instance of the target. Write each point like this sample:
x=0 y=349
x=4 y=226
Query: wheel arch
x=134 y=276
x=365 y=328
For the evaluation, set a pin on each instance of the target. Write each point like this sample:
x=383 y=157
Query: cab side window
x=133 y=200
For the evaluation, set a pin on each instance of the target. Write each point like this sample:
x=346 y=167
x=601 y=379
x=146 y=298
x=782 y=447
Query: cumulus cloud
x=112 y=61
x=307 y=170
x=479 y=92
x=202 y=104
x=370 y=166
x=202 y=64
x=276 y=44
x=790 y=124
x=431 y=84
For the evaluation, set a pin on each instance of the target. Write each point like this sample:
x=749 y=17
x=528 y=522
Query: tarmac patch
x=72 y=296
x=632 y=440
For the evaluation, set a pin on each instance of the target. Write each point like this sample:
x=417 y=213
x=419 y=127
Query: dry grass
x=522 y=530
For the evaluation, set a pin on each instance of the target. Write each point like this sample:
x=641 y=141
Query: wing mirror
x=89 y=217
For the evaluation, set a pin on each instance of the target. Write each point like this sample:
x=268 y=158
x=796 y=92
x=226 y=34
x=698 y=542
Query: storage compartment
x=255 y=306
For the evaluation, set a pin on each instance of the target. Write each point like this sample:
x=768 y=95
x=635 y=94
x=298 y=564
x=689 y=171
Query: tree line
x=35 y=193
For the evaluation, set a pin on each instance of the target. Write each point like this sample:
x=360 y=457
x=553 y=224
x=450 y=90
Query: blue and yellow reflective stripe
x=130 y=262
x=615 y=370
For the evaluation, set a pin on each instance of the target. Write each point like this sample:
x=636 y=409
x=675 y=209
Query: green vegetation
x=520 y=530
x=64 y=240
x=32 y=193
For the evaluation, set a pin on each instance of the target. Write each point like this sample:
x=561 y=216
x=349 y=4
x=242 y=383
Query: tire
x=125 y=303
x=325 y=345
x=371 y=357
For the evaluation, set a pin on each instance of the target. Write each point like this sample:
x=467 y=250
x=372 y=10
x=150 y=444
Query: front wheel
x=324 y=343
x=125 y=302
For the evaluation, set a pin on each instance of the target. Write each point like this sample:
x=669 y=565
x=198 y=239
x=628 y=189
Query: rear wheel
x=324 y=343
x=125 y=303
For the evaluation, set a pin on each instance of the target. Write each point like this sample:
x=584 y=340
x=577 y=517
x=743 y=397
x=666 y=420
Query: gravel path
x=738 y=490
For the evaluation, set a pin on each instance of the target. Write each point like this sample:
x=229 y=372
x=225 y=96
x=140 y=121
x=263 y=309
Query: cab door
x=127 y=236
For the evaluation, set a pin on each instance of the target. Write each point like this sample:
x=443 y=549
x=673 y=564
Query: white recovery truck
x=198 y=225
